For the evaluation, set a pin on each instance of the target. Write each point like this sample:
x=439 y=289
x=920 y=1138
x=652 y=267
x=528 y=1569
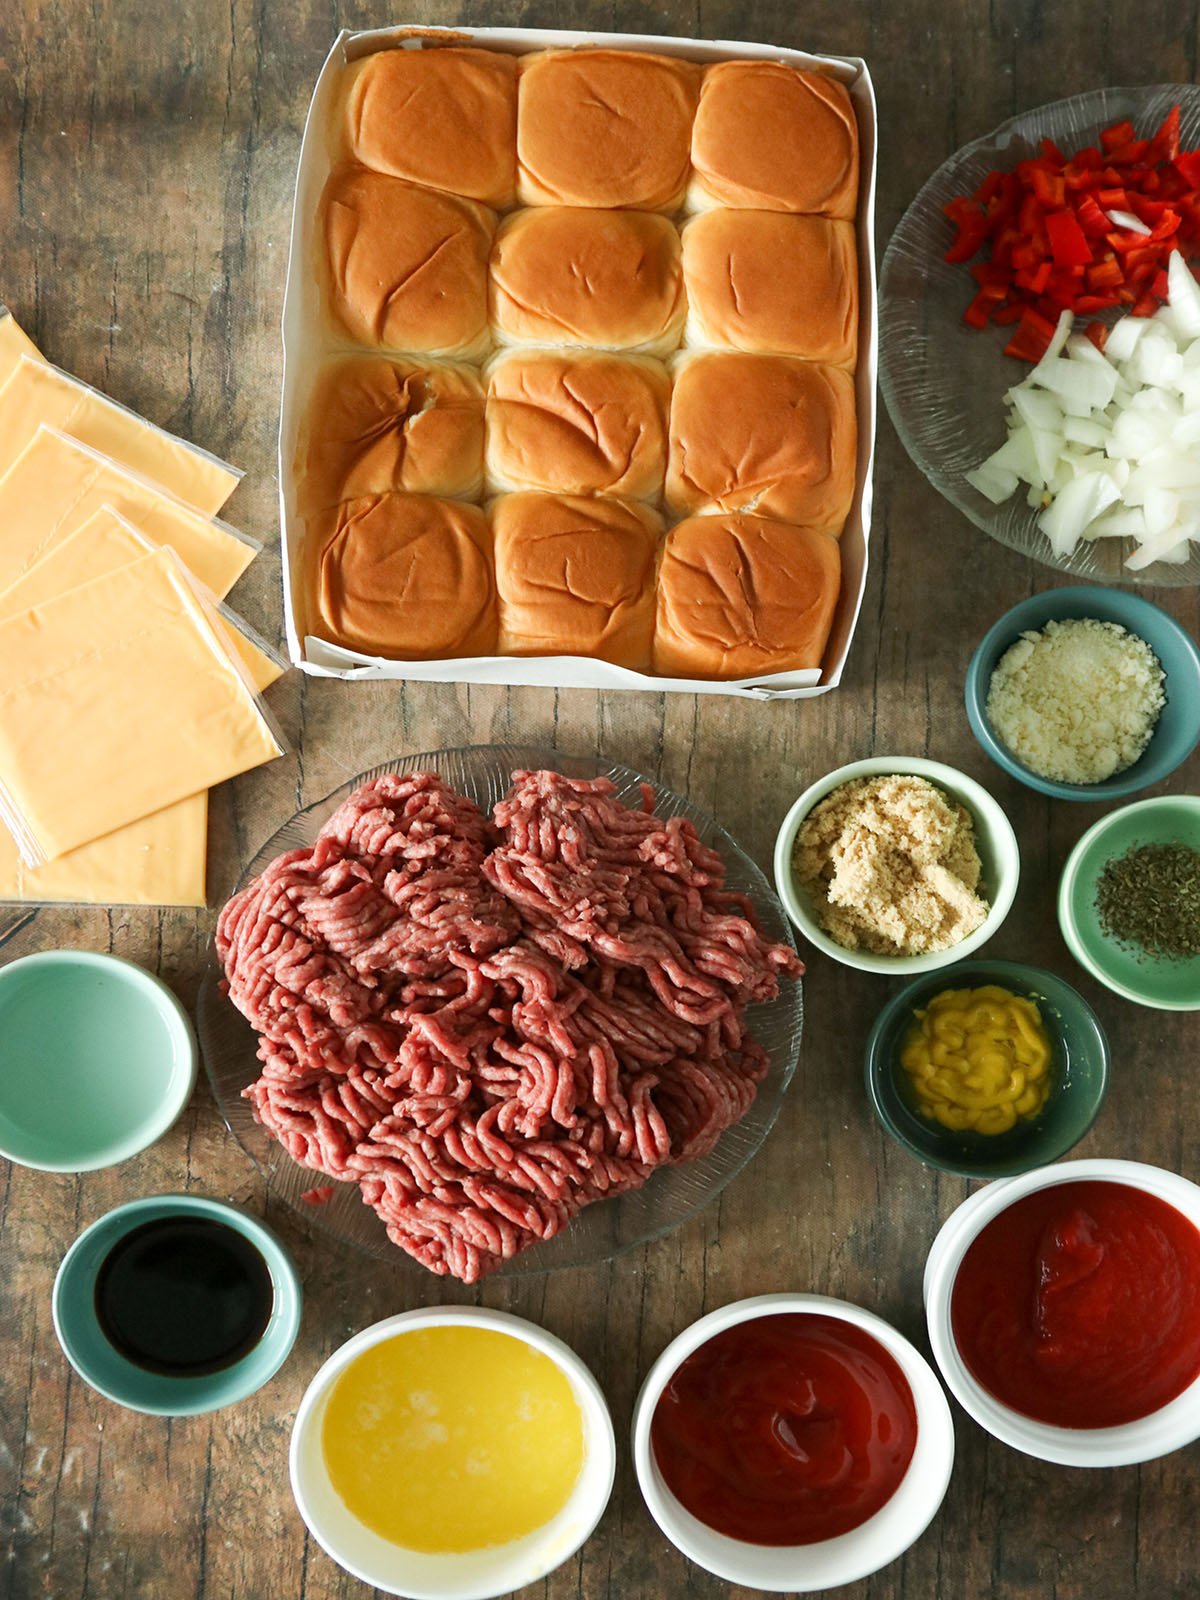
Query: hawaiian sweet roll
x=604 y=128
x=742 y=596
x=575 y=576
x=407 y=576
x=767 y=281
x=570 y=276
x=445 y=118
x=580 y=421
x=770 y=434
x=407 y=267
x=375 y=425
x=773 y=138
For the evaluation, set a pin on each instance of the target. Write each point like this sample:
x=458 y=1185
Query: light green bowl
x=995 y=841
x=109 y=1373
x=97 y=1060
x=1147 y=981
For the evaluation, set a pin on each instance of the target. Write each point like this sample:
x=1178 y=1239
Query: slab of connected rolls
x=595 y=315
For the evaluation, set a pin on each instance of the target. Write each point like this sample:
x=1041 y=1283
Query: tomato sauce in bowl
x=785 y=1430
x=1079 y=1305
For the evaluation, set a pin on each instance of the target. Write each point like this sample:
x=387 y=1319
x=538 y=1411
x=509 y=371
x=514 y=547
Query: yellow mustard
x=978 y=1058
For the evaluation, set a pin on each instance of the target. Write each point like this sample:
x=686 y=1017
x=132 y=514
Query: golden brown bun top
x=774 y=138
x=576 y=576
x=442 y=117
x=376 y=425
x=568 y=276
x=406 y=576
x=583 y=421
x=766 y=281
x=407 y=266
x=766 y=433
x=604 y=128
x=741 y=595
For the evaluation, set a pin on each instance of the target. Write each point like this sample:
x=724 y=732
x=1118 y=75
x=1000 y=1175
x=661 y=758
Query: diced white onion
x=1107 y=442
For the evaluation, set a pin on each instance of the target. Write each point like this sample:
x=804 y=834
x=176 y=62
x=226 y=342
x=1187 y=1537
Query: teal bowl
x=1079 y=1065
x=108 y=1372
x=1163 y=984
x=1177 y=732
x=97 y=1060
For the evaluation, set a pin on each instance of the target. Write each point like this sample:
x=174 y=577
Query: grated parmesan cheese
x=1078 y=701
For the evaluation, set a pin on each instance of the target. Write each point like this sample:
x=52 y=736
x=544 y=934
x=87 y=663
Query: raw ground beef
x=488 y=1025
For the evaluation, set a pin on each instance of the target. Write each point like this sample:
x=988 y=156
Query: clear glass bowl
x=483 y=773
x=943 y=381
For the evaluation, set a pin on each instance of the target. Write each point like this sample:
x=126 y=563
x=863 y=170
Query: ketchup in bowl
x=785 y=1430
x=1079 y=1305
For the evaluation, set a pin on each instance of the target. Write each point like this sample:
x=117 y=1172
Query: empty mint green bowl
x=1165 y=985
x=97 y=1060
x=110 y=1373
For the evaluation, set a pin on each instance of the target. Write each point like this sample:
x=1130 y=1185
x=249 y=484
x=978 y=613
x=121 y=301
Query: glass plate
x=944 y=382
x=673 y=1194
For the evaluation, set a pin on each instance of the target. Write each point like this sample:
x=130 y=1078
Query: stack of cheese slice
x=125 y=691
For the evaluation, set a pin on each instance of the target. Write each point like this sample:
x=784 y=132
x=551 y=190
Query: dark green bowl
x=1079 y=1065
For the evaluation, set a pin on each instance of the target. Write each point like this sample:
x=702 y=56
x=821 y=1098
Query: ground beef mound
x=488 y=1024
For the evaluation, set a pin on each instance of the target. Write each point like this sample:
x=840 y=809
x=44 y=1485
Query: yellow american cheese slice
x=56 y=484
x=117 y=699
x=158 y=861
x=14 y=343
x=36 y=392
x=99 y=546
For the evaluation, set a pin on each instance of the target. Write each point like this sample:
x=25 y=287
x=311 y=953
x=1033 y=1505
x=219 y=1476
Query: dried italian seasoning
x=1150 y=897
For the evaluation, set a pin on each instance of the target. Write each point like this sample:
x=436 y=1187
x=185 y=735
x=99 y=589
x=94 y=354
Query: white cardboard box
x=303 y=348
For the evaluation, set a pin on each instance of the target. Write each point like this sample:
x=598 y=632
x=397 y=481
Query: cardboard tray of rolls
x=579 y=363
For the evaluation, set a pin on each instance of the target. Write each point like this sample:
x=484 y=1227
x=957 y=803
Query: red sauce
x=1080 y=1305
x=785 y=1430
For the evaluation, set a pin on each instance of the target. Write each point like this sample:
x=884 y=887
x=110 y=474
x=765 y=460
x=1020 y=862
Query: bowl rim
x=1068 y=923
x=865 y=1548
x=1161 y=1432
x=284 y=1277
x=1028 y=976
x=580 y=1375
x=1006 y=630
x=986 y=812
x=177 y=1091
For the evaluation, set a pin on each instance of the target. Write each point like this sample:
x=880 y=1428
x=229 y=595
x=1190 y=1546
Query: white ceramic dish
x=1167 y=1429
x=804 y=1569
x=477 y=1574
x=994 y=839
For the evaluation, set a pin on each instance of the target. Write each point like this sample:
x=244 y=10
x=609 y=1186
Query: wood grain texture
x=147 y=153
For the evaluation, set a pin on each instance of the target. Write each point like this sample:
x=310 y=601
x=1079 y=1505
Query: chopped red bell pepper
x=1097 y=333
x=1032 y=337
x=1053 y=245
x=1068 y=242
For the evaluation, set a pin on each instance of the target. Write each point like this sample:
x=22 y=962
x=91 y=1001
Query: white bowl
x=802 y=1569
x=475 y=1574
x=1167 y=1429
x=994 y=839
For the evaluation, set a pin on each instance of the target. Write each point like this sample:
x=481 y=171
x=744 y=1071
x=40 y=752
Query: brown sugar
x=891 y=867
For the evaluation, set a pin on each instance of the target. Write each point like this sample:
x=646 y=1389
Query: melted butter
x=452 y=1439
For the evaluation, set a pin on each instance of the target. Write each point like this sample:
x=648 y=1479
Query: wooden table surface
x=147 y=153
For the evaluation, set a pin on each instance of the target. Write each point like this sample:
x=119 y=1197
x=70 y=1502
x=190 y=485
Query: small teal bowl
x=97 y=1060
x=1177 y=731
x=1079 y=1066
x=109 y=1373
x=1158 y=982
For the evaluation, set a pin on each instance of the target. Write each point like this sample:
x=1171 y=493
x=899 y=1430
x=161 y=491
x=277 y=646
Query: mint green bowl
x=97 y=1060
x=1146 y=980
x=109 y=1373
